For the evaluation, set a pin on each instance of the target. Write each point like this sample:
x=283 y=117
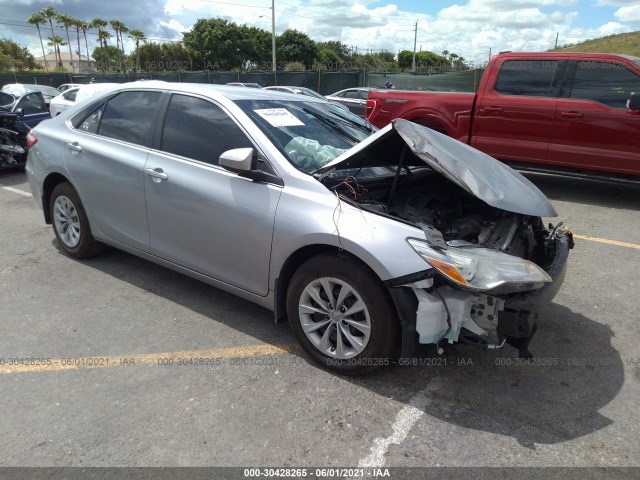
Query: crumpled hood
x=477 y=173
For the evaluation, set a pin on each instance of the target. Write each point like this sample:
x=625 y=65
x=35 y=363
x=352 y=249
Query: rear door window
x=609 y=83
x=70 y=95
x=129 y=116
x=91 y=123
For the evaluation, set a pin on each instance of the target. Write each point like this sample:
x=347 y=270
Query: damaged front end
x=447 y=311
x=490 y=265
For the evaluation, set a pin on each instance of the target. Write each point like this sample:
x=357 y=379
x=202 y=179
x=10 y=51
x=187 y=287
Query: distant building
x=80 y=65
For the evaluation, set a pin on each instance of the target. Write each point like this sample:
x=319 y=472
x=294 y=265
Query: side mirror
x=237 y=159
x=19 y=111
x=634 y=101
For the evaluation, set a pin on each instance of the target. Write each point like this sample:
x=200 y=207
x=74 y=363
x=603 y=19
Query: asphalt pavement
x=131 y=364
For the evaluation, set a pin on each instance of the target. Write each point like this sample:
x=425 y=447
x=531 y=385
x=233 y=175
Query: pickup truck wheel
x=70 y=223
x=342 y=315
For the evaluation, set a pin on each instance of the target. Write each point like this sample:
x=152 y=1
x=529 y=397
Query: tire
x=70 y=223
x=361 y=342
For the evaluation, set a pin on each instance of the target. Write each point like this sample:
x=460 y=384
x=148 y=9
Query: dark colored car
x=353 y=98
x=303 y=91
x=32 y=103
x=245 y=84
x=18 y=89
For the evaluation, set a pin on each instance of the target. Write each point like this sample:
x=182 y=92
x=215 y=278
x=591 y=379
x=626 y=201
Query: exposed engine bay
x=13 y=140
x=449 y=216
x=447 y=213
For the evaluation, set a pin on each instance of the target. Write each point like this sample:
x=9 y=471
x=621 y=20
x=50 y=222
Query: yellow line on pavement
x=187 y=357
x=609 y=242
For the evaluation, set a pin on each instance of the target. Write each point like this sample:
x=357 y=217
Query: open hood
x=479 y=174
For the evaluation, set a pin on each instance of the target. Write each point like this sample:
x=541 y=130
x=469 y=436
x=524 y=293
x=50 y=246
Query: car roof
x=21 y=89
x=214 y=91
x=351 y=88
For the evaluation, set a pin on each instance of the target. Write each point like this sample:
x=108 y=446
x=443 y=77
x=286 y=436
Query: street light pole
x=415 y=40
x=273 y=35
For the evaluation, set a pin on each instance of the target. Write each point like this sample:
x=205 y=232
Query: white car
x=66 y=86
x=75 y=95
x=63 y=101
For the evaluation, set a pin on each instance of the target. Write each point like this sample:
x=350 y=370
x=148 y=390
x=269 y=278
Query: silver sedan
x=369 y=242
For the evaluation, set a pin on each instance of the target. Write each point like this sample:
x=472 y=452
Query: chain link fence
x=324 y=82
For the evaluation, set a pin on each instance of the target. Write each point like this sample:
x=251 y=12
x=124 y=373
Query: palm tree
x=37 y=19
x=119 y=28
x=452 y=58
x=65 y=21
x=103 y=36
x=77 y=23
x=123 y=29
x=138 y=36
x=115 y=25
x=100 y=24
x=84 y=26
x=56 y=41
x=50 y=13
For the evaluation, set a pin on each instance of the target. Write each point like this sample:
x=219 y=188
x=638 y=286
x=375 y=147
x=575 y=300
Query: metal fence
x=466 y=81
x=324 y=82
x=320 y=81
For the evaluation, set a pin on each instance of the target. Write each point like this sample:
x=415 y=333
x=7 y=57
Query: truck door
x=593 y=129
x=514 y=115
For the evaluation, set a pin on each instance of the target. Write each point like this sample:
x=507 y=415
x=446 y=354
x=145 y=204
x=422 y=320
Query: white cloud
x=616 y=3
x=629 y=14
x=467 y=27
x=174 y=25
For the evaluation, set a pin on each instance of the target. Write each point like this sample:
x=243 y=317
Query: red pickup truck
x=576 y=112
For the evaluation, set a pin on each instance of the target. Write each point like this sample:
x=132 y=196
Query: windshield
x=48 y=91
x=308 y=134
x=309 y=93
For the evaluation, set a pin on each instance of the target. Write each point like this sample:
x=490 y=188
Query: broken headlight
x=482 y=269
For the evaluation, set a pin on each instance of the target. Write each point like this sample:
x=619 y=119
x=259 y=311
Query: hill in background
x=623 y=43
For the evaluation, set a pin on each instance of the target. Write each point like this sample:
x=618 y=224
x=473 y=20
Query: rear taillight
x=31 y=139
x=373 y=105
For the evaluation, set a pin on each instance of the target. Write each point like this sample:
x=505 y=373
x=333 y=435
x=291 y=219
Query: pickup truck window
x=609 y=83
x=532 y=78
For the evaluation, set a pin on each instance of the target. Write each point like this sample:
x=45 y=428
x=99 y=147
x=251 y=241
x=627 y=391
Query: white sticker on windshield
x=279 y=117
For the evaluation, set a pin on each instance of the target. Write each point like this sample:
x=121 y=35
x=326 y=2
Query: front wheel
x=70 y=223
x=342 y=315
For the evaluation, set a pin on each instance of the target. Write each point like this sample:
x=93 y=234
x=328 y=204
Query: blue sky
x=470 y=28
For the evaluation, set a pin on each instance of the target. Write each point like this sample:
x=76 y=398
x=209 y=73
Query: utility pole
x=415 y=41
x=558 y=33
x=273 y=35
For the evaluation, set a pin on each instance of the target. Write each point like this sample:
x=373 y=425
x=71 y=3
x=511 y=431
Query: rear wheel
x=70 y=223
x=342 y=315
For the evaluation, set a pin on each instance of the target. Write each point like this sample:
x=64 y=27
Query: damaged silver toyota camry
x=370 y=242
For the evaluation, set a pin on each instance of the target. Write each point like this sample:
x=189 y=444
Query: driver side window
x=198 y=129
x=32 y=103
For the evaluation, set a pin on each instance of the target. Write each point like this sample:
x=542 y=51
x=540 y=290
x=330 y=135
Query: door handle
x=493 y=109
x=571 y=114
x=75 y=146
x=157 y=174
